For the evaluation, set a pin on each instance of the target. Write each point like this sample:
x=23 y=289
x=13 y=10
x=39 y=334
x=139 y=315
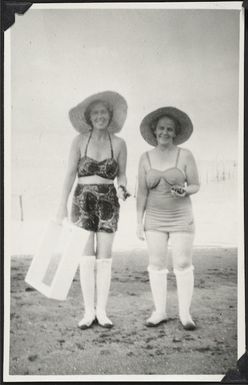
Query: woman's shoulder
x=144 y=157
x=185 y=153
x=117 y=138
x=117 y=141
x=147 y=153
x=78 y=140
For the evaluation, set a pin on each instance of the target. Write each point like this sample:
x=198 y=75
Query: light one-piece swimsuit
x=163 y=211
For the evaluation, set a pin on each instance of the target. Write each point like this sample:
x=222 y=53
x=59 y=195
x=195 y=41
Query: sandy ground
x=45 y=340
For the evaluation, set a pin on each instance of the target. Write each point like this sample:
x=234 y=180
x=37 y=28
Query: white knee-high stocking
x=87 y=280
x=103 y=280
x=185 y=287
x=158 y=283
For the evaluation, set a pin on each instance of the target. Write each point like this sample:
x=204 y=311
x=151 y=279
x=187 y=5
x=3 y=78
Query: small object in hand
x=126 y=194
x=178 y=189
x=29 y=289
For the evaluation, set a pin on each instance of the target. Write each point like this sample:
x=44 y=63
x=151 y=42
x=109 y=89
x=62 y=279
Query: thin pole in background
x=21 y=208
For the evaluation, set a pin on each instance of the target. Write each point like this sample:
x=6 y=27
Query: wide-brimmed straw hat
x=117 y=103
x=185 y=126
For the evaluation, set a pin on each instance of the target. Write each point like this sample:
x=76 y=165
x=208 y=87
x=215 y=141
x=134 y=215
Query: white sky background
x=157 y=57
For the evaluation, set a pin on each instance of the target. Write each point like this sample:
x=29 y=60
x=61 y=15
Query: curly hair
x=92 y=105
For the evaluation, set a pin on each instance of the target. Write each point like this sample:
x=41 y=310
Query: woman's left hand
x=122 y=193
x=140 y=231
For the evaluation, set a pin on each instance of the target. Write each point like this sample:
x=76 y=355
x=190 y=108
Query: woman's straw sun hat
x=117 y=103
x=185 y=126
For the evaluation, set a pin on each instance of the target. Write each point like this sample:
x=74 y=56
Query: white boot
x=103 y=279
x=87 y=280
x=158 y=283
x=185 y=287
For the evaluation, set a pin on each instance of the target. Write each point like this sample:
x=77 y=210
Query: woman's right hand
x=61 y=214
x=140 y=231
x=178 y=191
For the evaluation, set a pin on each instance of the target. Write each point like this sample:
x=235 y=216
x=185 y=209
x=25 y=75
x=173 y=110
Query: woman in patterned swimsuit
x=167 y=177
x=97 y=157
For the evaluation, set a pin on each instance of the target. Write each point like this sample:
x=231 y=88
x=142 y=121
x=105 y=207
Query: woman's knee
x=157 y=262
x=182 y=246
x=104 y=245
x=104 y=253
x=89 y=247
x=89 y=251
x=182 y=263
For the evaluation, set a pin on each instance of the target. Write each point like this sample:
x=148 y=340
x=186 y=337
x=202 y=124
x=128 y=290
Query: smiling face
x=165 y=130
x=99 y=116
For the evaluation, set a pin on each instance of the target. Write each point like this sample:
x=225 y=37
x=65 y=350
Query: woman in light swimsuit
x=167 y=177
x=97 y=157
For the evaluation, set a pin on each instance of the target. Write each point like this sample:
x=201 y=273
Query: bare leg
x=182 y=247
x=89 y=247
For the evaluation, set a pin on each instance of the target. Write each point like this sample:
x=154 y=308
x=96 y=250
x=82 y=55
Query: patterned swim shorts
x=95 y=207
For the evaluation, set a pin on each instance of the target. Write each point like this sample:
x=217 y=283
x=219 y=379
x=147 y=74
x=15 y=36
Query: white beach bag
x=55 y=263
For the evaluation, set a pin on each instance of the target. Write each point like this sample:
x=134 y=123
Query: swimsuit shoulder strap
x=86 y=147
x=178 y=153
x=148 y=158
x=111 y=145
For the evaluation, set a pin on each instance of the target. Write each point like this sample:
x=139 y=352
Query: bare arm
x=122 y=162
x=142 y=194
x=121 y=178
x=193 y=183
x=70 y=176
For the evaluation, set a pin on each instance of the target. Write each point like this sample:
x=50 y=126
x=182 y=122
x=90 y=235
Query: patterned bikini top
x=107 y=168
x=168 y=177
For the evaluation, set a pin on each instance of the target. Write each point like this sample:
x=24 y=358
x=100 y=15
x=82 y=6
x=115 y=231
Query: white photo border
x=237 y=5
